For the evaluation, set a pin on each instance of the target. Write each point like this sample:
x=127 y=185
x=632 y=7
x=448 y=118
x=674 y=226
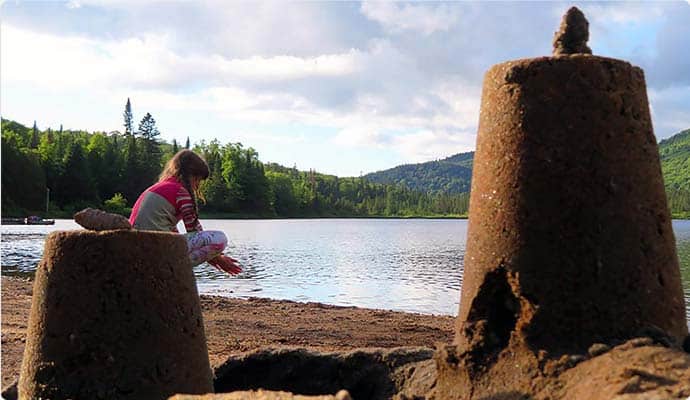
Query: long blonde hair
x=184 y=166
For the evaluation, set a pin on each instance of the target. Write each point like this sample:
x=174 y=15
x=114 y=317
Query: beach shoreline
x=236 y=326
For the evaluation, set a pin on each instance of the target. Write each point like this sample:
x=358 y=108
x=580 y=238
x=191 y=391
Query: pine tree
x=151 y=158
x=34 y=136
x=186 y=146
x=147 y=128
x=174 y=146
x=132 y=170
x=128 y=118
x=76 y=182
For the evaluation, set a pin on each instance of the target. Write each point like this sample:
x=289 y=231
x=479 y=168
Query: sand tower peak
x=573 y=34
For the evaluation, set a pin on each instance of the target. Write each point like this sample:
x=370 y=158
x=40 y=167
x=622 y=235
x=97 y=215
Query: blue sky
x=341 y=87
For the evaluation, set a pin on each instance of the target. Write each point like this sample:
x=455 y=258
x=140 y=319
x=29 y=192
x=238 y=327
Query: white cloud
x=623 y=12
x=463 y=99
x=361 y=135
x=397 y=17
x=43 y=60
x=273 y=139
x=54 y=62
x=290 y=67
x=432 y=145
x=669 y=109
x=418 y=146
x=232 y=29
x=147 y=62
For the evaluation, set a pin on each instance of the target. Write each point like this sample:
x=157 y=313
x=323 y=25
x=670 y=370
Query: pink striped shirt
x=162 y=206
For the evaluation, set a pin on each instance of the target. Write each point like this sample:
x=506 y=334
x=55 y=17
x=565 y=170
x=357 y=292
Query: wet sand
x=235 y=326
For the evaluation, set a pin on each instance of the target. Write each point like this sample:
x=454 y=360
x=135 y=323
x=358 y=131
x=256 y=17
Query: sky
x=345 y=88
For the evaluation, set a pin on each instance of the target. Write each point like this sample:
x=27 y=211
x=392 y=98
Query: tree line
x=239 y=181
x=674 y=153
x=74 y=169
x=63 y=171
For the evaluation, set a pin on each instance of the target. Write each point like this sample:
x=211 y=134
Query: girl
x=172 y=199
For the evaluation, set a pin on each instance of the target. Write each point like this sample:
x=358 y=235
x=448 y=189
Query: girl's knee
x=219 y=238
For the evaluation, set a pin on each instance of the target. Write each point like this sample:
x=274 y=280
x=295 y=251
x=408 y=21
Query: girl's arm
x=187 y=210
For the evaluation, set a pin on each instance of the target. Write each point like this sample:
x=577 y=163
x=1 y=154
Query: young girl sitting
x=172 y=199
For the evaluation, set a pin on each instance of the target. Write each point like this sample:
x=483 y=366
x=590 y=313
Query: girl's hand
x=226 y=264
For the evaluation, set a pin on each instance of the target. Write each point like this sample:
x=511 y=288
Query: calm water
x=406 y=265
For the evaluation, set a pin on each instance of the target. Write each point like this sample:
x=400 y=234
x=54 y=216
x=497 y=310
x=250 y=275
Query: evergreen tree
x=104 y=163
x=152 y=155
x=128 y=119
x=25 y=190
x=51 y=157
x=174 y=147
x=34 y=136
x=76 y=183
x=215 y=188
x=147 y=128
x=186 y=146
x=132 y=186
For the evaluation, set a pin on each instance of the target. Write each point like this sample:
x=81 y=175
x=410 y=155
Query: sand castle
x=569 y=238
x=115 y=315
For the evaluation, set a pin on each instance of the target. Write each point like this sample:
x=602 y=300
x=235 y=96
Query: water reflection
x=406 y=265
x=682 y=232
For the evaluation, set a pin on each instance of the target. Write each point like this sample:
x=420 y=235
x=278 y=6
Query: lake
x=412 y=265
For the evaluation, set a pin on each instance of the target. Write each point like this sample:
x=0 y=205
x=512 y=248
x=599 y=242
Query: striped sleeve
x=185 y=208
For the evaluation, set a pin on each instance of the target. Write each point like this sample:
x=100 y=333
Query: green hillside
x=450 y=175
x=453 y=174
x=675 y=160
x=675 y=164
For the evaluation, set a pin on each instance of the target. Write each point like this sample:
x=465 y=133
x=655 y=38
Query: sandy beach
x=235 y=326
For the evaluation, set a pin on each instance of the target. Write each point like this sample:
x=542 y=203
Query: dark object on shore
x=573 y=34
x=98 y=220
x=114 y=315
x=10 y=392
x=569 y=238
x=374 y=374
x=30 y=220
x=262 y=395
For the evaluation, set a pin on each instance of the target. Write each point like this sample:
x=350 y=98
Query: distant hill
x=453 y=174
x=450 y=175
x=675 y=161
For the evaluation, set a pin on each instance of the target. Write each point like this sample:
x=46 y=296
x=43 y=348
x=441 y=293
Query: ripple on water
x=21 y=252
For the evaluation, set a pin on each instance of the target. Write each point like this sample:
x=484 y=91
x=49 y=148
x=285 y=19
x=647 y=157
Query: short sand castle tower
x=115 y=315
x=569 y=240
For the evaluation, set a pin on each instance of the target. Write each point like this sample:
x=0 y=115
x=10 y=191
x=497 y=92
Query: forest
x=55 y=172
x=674 y=153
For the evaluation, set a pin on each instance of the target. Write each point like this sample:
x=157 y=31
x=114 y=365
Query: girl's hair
x=184 y=166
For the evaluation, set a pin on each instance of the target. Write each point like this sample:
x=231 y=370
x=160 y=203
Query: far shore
x=232 y=216
x=235 y=326
x=235 y=216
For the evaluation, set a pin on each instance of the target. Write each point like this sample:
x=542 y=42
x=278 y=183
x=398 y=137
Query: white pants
x=205 y=245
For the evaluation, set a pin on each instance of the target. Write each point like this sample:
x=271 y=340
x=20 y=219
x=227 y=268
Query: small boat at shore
x=30 y=220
